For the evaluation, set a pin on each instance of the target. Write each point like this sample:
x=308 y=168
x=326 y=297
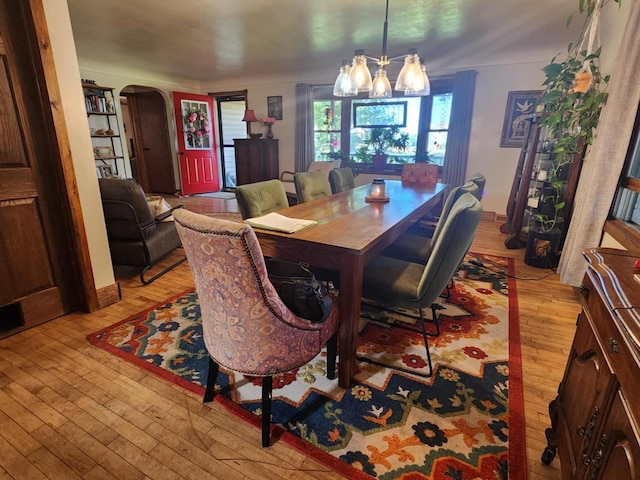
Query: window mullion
x=424 y=124
x=345 y=125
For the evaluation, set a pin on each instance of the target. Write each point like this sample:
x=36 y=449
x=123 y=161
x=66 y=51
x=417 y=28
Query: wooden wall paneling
x=41 y=226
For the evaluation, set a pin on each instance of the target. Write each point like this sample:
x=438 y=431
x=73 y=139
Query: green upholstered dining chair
x=391 y=282
x=311 y=185
x=245 y=325
x=341 y=179
x=286 y=177
x=480 y=181
x=416 y=245
x=260 y=198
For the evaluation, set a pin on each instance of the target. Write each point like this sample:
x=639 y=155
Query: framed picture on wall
x=521 y=105
x=274 y=107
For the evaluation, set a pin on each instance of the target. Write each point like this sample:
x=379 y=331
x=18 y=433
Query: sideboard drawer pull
x=613 y=345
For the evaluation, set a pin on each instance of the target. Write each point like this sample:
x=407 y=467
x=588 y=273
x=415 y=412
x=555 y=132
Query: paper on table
x=279 y=223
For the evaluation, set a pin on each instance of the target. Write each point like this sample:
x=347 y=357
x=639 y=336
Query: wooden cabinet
x=596 y=415
x=105 y=135
x=256 y=160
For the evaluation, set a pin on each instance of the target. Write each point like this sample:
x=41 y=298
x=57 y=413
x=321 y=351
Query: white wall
x=497 y=164
x=66 y=64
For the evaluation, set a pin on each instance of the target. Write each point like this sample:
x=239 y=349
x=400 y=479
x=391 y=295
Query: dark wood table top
x=346 y=222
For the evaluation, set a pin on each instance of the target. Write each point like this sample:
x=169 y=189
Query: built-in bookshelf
x=100 y=104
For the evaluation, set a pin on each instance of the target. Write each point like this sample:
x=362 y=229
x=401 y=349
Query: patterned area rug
x=465 y=422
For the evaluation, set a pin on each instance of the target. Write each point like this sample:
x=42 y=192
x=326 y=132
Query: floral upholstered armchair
x=247 y=328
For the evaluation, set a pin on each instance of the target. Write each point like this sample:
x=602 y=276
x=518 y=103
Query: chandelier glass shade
x=356 y=78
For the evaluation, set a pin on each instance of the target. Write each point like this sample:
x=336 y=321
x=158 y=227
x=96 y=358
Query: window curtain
x=304 y=127
x=455 y=158
x=604 y=162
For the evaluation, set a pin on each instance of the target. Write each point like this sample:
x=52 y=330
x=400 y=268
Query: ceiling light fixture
x=355 y=78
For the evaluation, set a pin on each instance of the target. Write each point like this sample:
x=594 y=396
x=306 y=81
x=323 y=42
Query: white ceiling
x=206 y=40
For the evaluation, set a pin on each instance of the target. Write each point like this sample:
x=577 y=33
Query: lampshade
x=410 y=76
x=427 y=86
x=344 y=85
x=249 y=116
x=412 y=79
x=381 y=86
x=360 y=74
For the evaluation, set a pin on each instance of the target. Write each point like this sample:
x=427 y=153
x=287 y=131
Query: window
x=626 y=206
x=342 y=125
x=327 y=119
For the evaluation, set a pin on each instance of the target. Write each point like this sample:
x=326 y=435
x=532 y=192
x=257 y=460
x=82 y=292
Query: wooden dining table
x=349 y=233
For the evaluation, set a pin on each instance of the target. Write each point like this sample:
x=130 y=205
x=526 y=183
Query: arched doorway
x=144 y=112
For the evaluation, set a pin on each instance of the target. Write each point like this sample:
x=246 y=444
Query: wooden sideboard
x=256 y=160
x=596 y=415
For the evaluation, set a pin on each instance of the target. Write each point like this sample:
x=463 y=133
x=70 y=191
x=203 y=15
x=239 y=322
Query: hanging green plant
x=571 y=103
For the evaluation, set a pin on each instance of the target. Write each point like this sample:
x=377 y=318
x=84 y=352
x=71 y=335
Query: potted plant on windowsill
x=339 y=155
x=382 y=140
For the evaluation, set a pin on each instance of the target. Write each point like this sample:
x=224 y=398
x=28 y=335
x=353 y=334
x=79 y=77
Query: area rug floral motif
x=465 y=422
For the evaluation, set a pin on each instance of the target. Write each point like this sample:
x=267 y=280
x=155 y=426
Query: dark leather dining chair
x=391 y=282
x=260 y=198
x=246 y=326
x=136 y=237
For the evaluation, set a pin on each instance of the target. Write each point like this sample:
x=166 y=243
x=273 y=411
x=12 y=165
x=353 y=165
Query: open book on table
x=279 y=223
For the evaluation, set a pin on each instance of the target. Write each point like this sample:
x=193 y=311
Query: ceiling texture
x=203 y=41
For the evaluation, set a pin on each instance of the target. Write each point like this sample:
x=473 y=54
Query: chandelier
x=355 y=78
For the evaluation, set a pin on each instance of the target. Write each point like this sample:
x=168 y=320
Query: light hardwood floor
x=69 y=410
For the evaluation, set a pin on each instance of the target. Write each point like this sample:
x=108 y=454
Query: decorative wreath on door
x=197 y=126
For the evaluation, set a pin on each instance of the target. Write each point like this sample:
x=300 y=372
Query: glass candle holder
x=377 y=188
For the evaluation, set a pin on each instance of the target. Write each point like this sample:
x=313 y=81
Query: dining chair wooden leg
x=266 y=410
x=212 y=376
x=332 y=351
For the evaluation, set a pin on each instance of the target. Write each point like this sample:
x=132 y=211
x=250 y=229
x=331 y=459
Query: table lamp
x=250 y=116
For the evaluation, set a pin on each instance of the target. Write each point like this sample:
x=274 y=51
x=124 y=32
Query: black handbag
x=299 y=289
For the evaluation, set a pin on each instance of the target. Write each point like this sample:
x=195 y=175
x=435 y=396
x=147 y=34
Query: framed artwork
x=274 y=107
x=521 y=105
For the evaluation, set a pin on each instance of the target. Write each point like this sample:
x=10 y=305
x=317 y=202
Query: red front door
x=196 y=143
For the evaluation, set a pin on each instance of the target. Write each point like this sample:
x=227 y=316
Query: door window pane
x=197 y=125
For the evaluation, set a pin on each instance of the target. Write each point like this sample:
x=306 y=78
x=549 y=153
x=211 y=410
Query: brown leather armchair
x=136 y=237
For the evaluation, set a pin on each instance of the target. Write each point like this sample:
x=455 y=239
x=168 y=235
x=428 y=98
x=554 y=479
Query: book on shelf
x=279 y=223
